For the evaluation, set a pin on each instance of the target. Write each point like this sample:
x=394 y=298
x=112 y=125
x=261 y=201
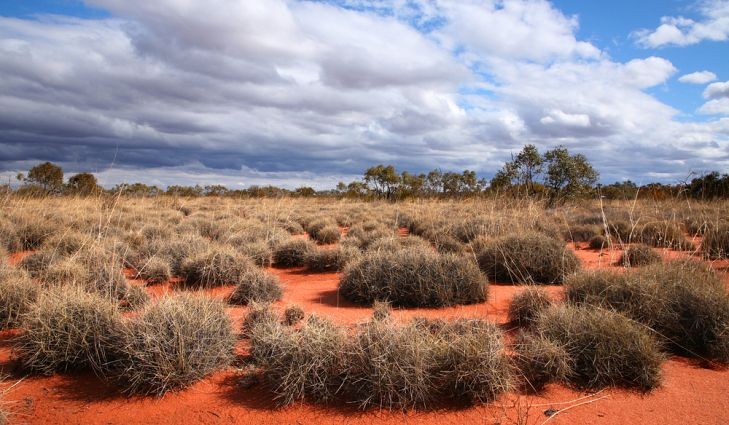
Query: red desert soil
x=690 y=392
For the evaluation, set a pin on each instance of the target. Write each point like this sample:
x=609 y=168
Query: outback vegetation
x=153 y=294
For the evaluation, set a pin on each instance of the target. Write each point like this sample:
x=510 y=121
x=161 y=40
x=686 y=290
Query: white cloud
x=680 y=31
x=557 y=116
x=716 y=107
x=717 y=90
x=701 y=77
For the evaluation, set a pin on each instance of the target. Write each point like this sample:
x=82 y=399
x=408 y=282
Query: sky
x=295 y=92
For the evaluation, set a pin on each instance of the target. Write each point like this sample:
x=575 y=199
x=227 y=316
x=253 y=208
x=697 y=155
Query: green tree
x=305 y=191
x=47 y=175
x=567 y=176
x=185 y=191
x=522 y=171
x=83 y=184
x=382 y=180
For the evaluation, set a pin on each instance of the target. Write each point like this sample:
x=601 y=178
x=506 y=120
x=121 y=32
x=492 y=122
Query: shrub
x=256 y=285
x=715 y=244
x=531 y=258
x=37 y=263
x=69 y=328
x=396 y=366
x=64 y=271
x=322 y=260
x=666 y=235
x=581 y=233
x=599 y=242
x=174 y=343
x=17 y=294
x=413 y=278
x=293 y=315
x=33 y=234
x=9 y=238
x=260 y=252
x=308 y=363
x=381 y=310
x=475 y=364
x=605 y=348
x=258 y=313
x=639 y=255
x=216 y=267
x=683 y=301
x=540 y=361
x=328 y=234
x=155 y=270
x=396 y=243
x=66 y=243
x=526 y=306
x=364 y=234
x=293 y=253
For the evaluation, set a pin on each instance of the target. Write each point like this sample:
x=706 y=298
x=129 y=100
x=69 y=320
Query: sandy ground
x=690 y=393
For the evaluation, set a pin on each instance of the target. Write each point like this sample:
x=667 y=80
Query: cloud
x=701 y=77
x=300 y=92
x=717 y=90
x=680 y=31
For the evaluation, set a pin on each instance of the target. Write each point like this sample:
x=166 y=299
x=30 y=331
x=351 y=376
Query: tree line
x=556 y=176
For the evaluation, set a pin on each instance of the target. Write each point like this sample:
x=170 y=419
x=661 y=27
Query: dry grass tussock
x=17 y=295
x=174 y=343
x=69 y=328
x=526 y=306
x=382 y=363
x=605 y=349
x=217 y=266
x=639 y=255
x=417 y=277
x=256 y=285
x=530 y=258
x=684 y=302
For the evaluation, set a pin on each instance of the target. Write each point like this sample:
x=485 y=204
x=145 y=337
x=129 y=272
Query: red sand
x=690 y=393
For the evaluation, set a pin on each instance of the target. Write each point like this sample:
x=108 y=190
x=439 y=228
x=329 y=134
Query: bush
x=322 y=260
x=155 y=270
x=715 y=244
x=293 y=315
x=639 y=255
x=260 y=252
x=66 y=243
x=413 y=278
x=17 y=294
x=531 y=258
x=665 y=235
x=599 y=242
x=258 y=313
x=683 y=301
x=37 y=263
x=256 y=285
x=581 y=233
x=605 y=348
x=540 y=361
x=9 y=238
x=64 y=271
x=293 y=253
x=526 y=306
x=621 y=231
x=328 y=234
x=395 y=366
x=174 y=343
x=69 y=328
x=216 y=267
x=33 y=234
x=298 y=365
